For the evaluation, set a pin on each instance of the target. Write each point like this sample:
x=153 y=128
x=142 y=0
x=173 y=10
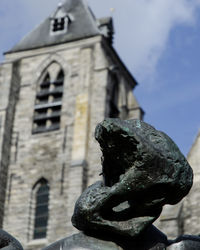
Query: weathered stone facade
x=191 y=203
x=184 y=217
x=68 y=158
x=8 y=96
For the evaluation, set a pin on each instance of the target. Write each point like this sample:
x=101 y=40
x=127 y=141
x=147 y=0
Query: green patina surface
x=142 y=167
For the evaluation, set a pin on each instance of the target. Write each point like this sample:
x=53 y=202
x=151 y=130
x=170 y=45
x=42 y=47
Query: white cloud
x=143 y=28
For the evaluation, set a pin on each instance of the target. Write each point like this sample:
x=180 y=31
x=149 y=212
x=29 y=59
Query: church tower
x=56 y=84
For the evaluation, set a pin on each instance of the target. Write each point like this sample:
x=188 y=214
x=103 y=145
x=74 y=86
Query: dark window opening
x=40 y=115
x=41 y=211
x=41 y=123
x=42 y=99
x=55 y=110
x=113 y=95
x=57 y=97
x=48 y=104
x=55 y=123
x=45 y=83
x=40 y=112
x=59 y=24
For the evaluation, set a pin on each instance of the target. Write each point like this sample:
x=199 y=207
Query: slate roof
x=83 y=25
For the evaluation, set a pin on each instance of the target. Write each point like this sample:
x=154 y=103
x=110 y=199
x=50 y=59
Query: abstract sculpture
x=7 y=242
x=143 y=170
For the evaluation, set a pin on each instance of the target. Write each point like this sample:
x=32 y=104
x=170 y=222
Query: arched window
x=48 y=104
x=41 y=212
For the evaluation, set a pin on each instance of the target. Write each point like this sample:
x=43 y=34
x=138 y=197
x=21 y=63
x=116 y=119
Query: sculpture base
x=151 y=239
x=81 y=241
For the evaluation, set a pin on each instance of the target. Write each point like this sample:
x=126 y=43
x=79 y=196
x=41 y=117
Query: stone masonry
x=69 y=157
x=183 y=218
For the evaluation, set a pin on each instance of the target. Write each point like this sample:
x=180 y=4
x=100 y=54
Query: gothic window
x=41 y=209
x=48 y=104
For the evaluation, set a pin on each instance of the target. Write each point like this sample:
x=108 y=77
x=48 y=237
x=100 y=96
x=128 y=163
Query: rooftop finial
x=60 y=4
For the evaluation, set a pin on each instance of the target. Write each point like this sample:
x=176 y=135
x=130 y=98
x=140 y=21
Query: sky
x=159 y=42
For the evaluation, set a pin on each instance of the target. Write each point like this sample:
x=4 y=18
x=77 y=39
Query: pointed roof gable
x=79 y=23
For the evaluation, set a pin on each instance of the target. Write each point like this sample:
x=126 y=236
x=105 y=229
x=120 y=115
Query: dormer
x=72 y=20
x=60 y=21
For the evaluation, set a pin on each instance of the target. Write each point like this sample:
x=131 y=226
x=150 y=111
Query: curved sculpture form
x=143 y=169
x=8 y=242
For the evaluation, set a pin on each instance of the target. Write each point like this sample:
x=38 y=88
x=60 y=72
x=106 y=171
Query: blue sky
x=158 y=40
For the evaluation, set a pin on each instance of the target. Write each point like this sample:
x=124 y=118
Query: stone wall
x=191 y=203
x=183 y=218
x=10 y=80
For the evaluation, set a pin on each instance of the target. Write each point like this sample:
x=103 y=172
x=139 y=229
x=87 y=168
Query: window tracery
x=48 y=104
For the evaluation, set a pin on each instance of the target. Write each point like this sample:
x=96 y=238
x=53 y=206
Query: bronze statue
x=143 y=170
x=7 y=242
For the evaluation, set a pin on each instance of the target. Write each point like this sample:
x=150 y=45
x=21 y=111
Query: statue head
x=145 y=157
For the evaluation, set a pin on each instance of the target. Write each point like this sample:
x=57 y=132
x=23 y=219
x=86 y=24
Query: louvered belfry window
x=59 y=24
x=47 y=110
x=41 y=211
